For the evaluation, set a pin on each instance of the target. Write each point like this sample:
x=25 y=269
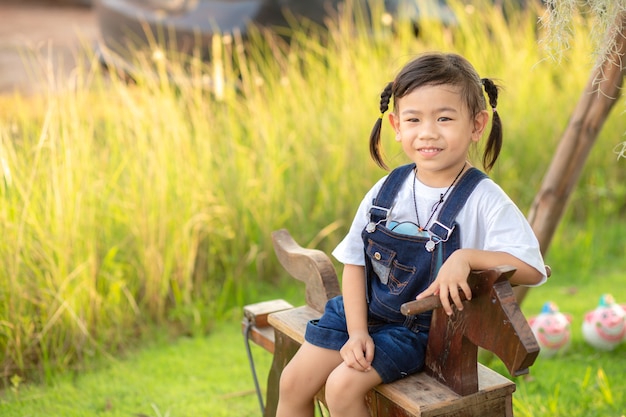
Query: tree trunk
x=598 y=98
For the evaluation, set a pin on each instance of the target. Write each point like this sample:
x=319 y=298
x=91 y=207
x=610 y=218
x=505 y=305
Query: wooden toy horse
x=453 y=383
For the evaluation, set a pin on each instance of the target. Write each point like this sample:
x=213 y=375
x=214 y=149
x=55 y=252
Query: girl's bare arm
x=358 y=352
x=452 y=277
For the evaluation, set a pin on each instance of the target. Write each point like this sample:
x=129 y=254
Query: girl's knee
x=288 y=381
x=344 y=392
x=297 y=382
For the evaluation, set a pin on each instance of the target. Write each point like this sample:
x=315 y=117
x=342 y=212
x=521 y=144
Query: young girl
x=419 y=231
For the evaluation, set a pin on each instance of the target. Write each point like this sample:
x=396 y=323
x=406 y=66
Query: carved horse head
x=491 y=320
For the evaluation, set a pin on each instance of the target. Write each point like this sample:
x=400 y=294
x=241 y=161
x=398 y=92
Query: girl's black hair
x=440 y=69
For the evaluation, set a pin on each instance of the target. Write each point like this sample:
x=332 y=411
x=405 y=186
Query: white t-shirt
x=489 y=220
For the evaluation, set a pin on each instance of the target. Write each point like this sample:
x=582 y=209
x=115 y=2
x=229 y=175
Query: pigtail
x=375 y=150
x=494 y=142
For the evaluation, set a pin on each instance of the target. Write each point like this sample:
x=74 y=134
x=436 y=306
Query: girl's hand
x=358 y=352
x=450 y=282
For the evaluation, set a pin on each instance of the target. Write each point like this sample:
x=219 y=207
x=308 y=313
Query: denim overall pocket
x=389 y=271
x=392 y=281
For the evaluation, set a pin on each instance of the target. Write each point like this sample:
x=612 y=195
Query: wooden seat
x=453 y=383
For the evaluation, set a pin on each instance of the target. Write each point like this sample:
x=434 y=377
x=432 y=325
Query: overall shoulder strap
x=445 y=223
x=384 y=200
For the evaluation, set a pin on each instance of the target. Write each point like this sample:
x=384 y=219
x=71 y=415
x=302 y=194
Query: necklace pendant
x=430 y=246
x=371 y=226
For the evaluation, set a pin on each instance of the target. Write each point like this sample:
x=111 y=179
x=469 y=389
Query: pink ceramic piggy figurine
x=551 y=329
x=605 y=327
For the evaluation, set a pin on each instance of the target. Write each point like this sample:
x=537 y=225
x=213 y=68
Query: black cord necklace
x=437 y=204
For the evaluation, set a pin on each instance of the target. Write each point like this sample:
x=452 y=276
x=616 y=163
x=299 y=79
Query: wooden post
x=598 y=98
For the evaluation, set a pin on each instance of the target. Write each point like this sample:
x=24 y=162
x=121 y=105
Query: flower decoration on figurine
x=552 y=329
x=605 y=327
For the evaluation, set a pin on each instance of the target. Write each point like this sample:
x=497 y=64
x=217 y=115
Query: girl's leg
x=302 y=378
x=346 y=389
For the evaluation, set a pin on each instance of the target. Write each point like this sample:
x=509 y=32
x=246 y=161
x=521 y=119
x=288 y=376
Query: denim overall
x=399 y=266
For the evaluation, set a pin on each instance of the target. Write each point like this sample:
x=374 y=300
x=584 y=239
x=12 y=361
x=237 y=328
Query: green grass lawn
x=203 y=376
x=581 y=381
x=210 y=376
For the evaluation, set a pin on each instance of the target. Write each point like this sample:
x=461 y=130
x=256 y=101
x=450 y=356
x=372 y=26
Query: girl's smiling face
x=436 y=130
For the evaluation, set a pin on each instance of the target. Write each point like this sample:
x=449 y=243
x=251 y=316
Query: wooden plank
x=293 y=322
x=465 y=407
x=262 y=336
x=257 y=313
x=419 y=394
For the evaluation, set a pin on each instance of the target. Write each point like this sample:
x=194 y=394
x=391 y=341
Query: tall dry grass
x=127 y=205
